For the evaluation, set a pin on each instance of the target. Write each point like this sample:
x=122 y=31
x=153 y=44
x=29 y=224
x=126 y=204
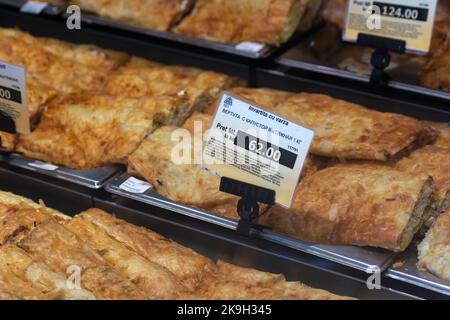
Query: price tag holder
x=33 y=7
x=249 y=144
x=411 y=21
x=13 y=96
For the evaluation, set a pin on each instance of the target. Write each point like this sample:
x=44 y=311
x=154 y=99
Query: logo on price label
x=409 y=20
x=252 y=145
x=13 y=97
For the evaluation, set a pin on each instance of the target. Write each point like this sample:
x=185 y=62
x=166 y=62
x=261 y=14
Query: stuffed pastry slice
x=36 y=275
x=435 y=162
x=434 y=250
x=170 y=161
x=199 y=87
x=348 y=131
x=356 y=204
x=88 y=131
x=153 y=279
x=443 y=139
x=188 y=266
x=234 y=21
x=230 y=282
x=436 y=74
x=50 y=60
x=152 y=14
x=63 y=251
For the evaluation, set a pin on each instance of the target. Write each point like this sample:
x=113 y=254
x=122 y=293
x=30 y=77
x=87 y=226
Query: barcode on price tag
x=134 y=185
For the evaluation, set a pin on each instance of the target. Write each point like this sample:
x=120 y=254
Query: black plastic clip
x=7 y=124
x=248 y=207
x=381 y=57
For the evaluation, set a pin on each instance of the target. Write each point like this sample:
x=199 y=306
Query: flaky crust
x=437 y=72
x=364 y=205
x=49 y=60
x=153 y=14
x=185 y=264
x=435 y=162
x=186 y=183
x=348 y=131
x=233 y=282
x=434 y=250
x=58 y=248
x=88 y=131
x=156 y=281
x=233 y=21
x=118 y=260
x=199 y=87
x=443 y=139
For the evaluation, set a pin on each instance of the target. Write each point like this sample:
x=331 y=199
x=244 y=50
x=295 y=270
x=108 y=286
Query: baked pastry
x=181 y=180
x=443 y=139
x=436 y=74
x=188 y=266
x=49 y=60
x=57 y=247
x=118 y=260
x=348 y=131
x=20 y=267
x=435 y=162
x=266 y=98
x=334 y=11
x=152 y=14
x=233 y=21
x=237 y=283
x=156 y=281
x=434 y=250
x=356 y=204
x=199 y=87
x=88 y=131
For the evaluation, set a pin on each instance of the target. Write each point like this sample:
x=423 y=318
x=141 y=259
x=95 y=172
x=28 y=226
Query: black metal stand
x=381 y=57
x=247 y=207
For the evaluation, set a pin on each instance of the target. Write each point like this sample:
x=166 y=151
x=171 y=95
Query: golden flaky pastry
x=233 y=282
x=153 y=14
x=188 y=266
x=364 y=205
x=233 y=21
x=435 y=162
x=434 y=250
x=348 y=131
x=199 y=87
x=437 y=72
x=60 y=65
x=156 y=281
x=161 y=159
x=113 y=259
x=443 y=139
x=85 y=131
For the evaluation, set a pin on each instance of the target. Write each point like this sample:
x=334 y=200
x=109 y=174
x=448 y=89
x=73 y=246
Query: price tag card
x=13 y=96
x=408 y=20
x=33 y=7
x=134 y=185
x=255 y=146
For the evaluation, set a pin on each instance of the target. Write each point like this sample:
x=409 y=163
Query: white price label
x=252 y=145
x=134 y=185
x=250 y=46
x=13 y=96
x=409 y=20
x=43 y=166
x=33 y=7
